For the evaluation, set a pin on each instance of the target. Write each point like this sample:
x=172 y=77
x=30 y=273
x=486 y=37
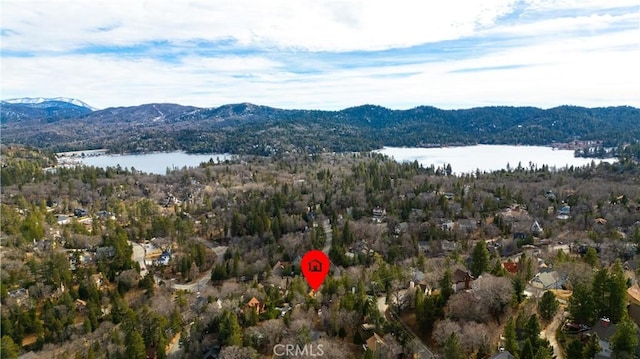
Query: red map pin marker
x=315 y=267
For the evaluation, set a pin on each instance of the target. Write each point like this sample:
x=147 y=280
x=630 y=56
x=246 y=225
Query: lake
x=466 y=159
x=156 y=163
x=463 y=159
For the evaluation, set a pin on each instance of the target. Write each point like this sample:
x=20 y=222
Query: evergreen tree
x=452 y=348
x=230 y=331
x=591 y=257
x=518 y=289
x=8 y=348
x=532 y=331
x=617 y=292
x=574 y=350
x=580 y=304
x=592 y=347
x=600 y=293
x=480 y=259
x=446 y=286
x=510 y=339
x=135 y=345
x=625 y=339
x=548 y=305
x=527 y=350
x=545 y=352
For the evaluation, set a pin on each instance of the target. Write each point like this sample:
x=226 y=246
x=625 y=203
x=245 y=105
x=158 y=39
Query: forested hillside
x=250 y=129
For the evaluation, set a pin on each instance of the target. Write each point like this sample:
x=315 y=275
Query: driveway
x=138 y=256
x=549 y=333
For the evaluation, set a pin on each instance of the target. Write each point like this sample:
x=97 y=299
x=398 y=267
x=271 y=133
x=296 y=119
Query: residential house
x=256 y=305
x=462 y=280
x=280 y=268
x=605 y=330
x=448 y=226
x=378 y=214
x=18 y=297
x=402 y=227
x=519 y=235
x=63 y=219
x=375 y=343
x=104 y=215
x=536 y=229
x=80 y=212
x=164 y=258
x=548 y=279
x=81 y=306
x=467 y=225
x=448 y=246
x=105 y=252
x=97 y=279
x=511 y=267
x=424 y=246
x=564 y=210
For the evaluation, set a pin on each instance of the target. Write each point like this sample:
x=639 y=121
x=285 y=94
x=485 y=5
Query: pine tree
x=452 y=348
x=510 y=339
x=591 y=257
x=548 y=305
x=135 y=345
x=600 y=293
x=446 y=286
x=230 y=331
x=617 y=292
x=625 y=339
x=480 y=259
x=532 y=331
x=8 y=348
x=580 y=304
x=518 y=289
x=574 y=350
x=527 y=350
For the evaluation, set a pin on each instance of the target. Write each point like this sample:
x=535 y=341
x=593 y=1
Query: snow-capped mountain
x=37 y=100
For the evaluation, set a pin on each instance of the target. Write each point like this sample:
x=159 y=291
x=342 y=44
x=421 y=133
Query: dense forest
x=398 y=235
x=261 y=130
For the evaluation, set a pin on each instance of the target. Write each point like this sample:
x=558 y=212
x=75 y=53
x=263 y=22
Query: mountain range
x=65 y=124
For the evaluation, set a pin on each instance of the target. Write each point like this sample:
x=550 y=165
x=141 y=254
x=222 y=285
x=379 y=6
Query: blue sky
x=320 y=54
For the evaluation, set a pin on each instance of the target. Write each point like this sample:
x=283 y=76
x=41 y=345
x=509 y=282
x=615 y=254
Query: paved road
x=138 y=256
x=328 y=233
x=195 y=285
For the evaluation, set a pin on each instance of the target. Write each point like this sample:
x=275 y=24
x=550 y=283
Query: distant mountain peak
x=37 y=100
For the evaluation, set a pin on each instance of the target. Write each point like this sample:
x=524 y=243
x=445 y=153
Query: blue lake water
x=466 y=159
x=156 y=163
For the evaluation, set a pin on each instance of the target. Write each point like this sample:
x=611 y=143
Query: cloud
x=313 y=25
x=324 y=54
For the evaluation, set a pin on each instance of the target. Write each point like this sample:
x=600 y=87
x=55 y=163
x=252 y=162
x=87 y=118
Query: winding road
x=138 y=255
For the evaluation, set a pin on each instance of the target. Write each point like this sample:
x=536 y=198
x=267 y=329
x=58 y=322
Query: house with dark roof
x=462 y=280
x=605 y=330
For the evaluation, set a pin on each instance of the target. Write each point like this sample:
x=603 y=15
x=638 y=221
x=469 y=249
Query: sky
x=323 y=54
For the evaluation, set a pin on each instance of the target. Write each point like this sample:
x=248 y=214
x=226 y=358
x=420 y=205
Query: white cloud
x=577 y=57
x=305 y=24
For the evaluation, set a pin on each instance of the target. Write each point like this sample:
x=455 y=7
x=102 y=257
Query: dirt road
x=549 y=333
